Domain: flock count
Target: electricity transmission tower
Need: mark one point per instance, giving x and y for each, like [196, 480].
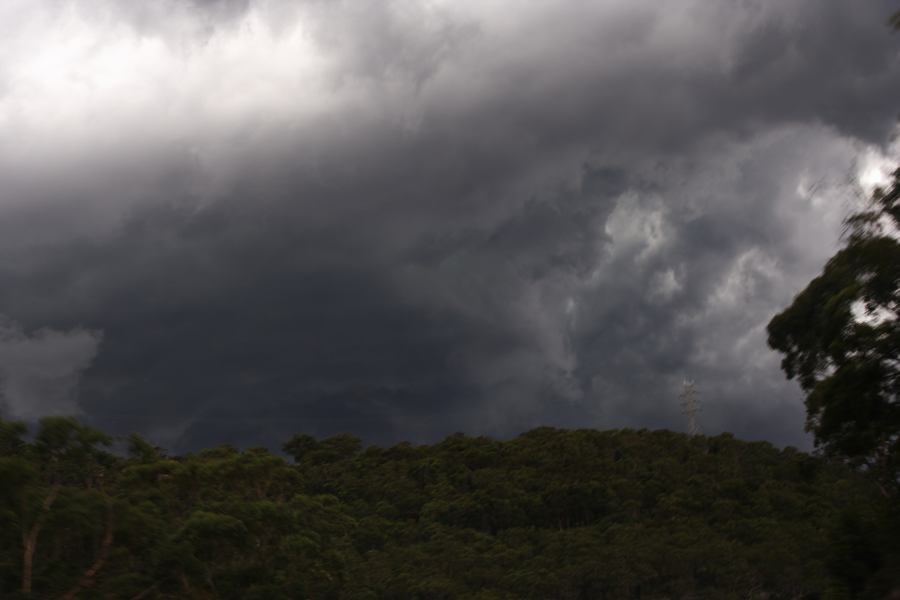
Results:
[690, 405]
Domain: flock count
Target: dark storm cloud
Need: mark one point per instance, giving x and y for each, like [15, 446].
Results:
[404, 219]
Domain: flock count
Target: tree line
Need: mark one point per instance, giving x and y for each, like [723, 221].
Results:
[580, 514]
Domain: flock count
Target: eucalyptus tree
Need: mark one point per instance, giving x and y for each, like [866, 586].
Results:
[841, 341]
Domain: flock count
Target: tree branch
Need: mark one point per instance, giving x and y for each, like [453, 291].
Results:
[87, 579]
[29, 539]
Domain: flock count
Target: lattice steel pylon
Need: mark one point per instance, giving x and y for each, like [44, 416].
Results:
[690, 405]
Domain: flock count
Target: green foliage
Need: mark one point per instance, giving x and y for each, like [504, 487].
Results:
[848, 363]
[841, 341]
[69, 451]
[11, 432]
[142, 450]
[55, 515]
[550, 514]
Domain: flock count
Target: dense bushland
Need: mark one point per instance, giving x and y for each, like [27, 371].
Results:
[550, 514]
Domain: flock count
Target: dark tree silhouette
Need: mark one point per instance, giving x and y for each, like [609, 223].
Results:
[840, 339]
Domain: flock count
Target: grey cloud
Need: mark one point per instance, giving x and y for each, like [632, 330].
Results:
[695, 301]
[406, 219]
[39, 371]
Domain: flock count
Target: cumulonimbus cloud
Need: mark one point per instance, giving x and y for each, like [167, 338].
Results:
[405, 218]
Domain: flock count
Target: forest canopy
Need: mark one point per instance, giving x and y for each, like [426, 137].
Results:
[578, 514]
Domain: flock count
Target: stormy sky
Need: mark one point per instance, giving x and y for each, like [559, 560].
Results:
[235, 220]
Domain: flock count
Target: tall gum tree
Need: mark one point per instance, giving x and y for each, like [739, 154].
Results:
[841, 340]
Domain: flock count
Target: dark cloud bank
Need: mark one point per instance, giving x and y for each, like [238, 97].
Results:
[233, 221]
